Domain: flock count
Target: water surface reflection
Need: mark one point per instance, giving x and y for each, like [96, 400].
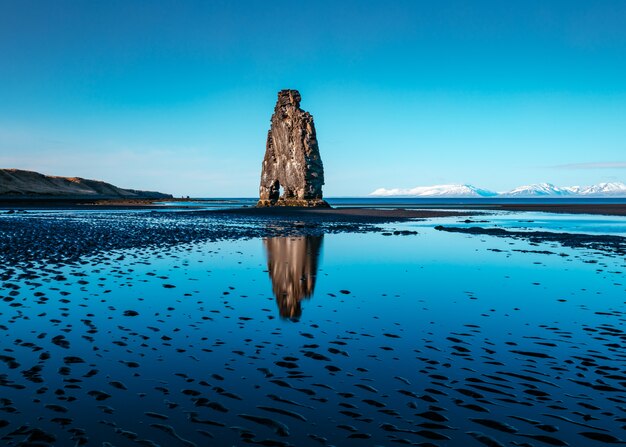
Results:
[292, 264]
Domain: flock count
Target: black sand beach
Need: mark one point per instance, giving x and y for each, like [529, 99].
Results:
[601, 208]
[609, 209]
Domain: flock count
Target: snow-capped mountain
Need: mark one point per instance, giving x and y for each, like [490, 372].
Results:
[537, 190]
[614, 189]
[604, 189]
[435, 191]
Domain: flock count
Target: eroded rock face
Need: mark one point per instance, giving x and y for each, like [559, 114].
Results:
[292, 158]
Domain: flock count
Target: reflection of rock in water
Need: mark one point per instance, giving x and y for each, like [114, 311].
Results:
[292, 265]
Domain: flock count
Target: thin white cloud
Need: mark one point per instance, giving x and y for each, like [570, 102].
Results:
[594, 165]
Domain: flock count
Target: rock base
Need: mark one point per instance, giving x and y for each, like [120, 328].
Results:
[303, 203]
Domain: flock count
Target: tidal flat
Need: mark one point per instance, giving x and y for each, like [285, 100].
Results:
[189, 328]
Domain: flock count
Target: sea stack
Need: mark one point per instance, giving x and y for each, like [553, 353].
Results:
[292, 158]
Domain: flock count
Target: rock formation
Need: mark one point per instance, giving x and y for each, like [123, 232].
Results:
[20, 184]
[292, 265]
[292, 158]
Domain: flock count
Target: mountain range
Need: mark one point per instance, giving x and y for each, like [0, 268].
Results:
[614, 189]
[21, 184]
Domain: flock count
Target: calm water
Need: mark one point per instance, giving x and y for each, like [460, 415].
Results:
[341, 339]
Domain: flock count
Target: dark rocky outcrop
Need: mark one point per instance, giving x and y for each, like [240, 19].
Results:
[292, 158]
[600, 242]
[23, 185]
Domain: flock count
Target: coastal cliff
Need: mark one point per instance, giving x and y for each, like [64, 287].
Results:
[19, 184]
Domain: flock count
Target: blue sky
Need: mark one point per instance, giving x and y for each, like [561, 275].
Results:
[177, 96]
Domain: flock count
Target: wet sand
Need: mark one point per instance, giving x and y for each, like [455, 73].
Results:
[611, 209]
[416, 211]
[68, 236]
[344, 214]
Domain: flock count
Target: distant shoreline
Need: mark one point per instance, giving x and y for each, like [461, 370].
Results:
[345, 207]
[441, 210]
[611, 209]
[85, 202]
